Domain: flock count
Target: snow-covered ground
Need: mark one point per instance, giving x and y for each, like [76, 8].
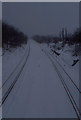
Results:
[12, 64]
[38, 92]
[0, 80]
[64, 62]
[11, 60]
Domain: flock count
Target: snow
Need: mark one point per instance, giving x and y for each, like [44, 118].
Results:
[9, 63]
[0, 80]
[65, 59]
[38, 92]
[12, 63]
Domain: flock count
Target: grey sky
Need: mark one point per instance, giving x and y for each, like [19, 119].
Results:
[42, 18]
[0, 11]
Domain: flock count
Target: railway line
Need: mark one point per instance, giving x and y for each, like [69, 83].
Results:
[59, 70]
[77, 88]
[7, 87]
[13, 70]
[55, 63]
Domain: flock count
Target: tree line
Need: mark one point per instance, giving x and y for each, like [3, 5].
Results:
[12, 37]
[64, 38]
[45, 39]
[70, 38]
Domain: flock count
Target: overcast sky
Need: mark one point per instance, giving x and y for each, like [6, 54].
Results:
[0, 11]
[42, 18]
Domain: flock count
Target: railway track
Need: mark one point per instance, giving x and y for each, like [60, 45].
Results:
[13, 71]
[70, 96]
[6, 94]
[77, 88]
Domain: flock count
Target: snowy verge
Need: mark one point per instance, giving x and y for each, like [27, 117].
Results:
[0, 80]
[64, 63]
[14, 67]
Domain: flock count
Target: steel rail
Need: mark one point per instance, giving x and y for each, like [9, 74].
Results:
[67, 75]
[66, 88]
[13, 71]
[14, 82]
